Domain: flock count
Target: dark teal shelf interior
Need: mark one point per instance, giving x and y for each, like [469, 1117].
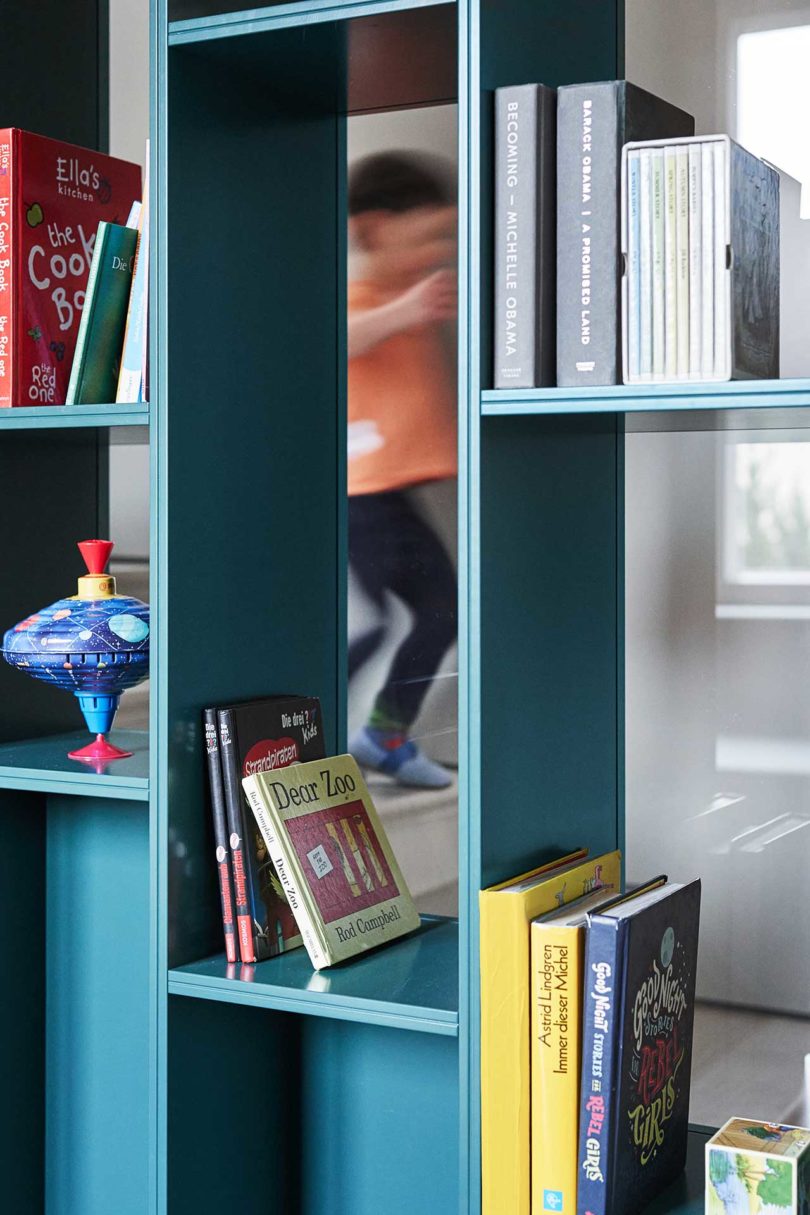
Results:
[685, 1195]
[54, 417]
[411, 984]
[627, 398]
[42, 765]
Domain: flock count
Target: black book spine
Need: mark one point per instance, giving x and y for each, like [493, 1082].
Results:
[754, 224]
[221, 844]
[587, 235]
[233, 804]
[594, 121]
[525, 247]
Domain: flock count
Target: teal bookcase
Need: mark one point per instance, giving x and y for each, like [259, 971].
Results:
[143, 1075]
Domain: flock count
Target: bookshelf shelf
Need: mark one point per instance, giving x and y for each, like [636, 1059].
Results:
[412, 985]
[630, 398]
[283, 16]
[686, 1194]
[41, 765]
[62, 417]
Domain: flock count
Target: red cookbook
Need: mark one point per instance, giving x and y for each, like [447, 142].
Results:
[52, 197]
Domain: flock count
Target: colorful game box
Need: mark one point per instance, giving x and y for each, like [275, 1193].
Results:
[758, 1168]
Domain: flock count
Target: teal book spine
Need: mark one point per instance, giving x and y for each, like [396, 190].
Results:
[96, 363]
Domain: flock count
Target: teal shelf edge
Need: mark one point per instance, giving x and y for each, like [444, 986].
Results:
[41, 765]
[280, 16]
[630, 398]
[686, 1194]
[411, 984]
[55, 417]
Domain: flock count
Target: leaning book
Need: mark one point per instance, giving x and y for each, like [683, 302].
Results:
[332, 857]
[96, 362]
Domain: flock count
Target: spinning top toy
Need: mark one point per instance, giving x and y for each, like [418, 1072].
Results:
[94, 644]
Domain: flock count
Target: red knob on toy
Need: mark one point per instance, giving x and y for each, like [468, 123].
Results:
[96, 554]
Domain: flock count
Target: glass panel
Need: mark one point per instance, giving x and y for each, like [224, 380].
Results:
[184, 10]
[740, 67]
[718, 739]
[402, 467]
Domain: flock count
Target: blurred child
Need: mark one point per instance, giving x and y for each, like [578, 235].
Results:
[402, 432]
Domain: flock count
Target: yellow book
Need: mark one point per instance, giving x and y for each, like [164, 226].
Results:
[557, 961]
[506, 912]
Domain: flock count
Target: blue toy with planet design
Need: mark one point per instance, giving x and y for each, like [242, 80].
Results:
[94, 644]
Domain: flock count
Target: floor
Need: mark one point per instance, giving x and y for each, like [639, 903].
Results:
[749, 1064]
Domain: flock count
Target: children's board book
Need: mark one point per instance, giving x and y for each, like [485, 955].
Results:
[53, 196]
[506, 912]
[332, 857]
[262, 736]
[639, 997]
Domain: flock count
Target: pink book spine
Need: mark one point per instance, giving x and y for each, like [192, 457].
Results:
[7, 283]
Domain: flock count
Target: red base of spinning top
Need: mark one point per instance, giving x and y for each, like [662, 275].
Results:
[99, 750]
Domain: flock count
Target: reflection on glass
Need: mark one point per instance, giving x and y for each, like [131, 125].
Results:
[767, 499]
[402, 465]
[718, 740]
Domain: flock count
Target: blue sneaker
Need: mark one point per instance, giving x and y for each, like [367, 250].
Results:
[396, 755]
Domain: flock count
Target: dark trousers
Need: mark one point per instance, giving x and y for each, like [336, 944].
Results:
[392, 549]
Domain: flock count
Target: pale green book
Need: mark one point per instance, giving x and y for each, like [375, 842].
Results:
[658, 273]
[682, 260]
[332, 857]
[670, 264]
[96, 363]
[707, 260]
[695, 261]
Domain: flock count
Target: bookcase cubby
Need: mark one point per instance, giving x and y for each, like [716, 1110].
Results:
[144, 1075]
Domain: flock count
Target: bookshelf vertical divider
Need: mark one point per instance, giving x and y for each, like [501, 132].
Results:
[248, 140]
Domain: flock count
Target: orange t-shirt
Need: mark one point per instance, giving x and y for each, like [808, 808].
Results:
[401, 406]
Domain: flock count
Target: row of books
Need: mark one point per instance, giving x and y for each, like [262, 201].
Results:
[72, 312]
[587, 1006]
[302, 857]
[700, 243]
[627, 249]
[110, 362]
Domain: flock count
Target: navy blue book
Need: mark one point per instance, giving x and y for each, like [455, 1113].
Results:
[641, 960]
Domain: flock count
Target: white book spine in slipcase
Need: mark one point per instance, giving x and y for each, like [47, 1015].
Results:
[707, 261]
[695, 262]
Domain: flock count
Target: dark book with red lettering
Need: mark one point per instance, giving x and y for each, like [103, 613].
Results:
[53, 196]
[639, 1004]
[221, 844]
[259, 736]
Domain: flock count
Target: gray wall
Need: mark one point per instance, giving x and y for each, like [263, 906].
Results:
[129, 129]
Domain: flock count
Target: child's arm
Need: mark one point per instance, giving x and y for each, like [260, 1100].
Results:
[431, 300]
